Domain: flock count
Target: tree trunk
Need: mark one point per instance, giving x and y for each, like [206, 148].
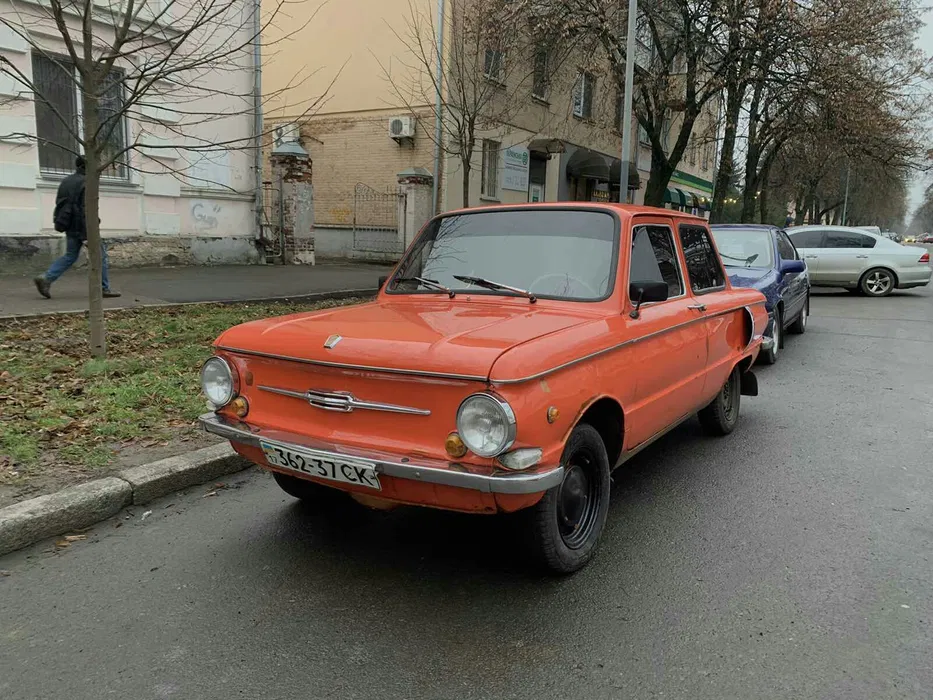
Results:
[467, 169]
[727, 158]
[660, 177]
[98, 337]
[763, 204]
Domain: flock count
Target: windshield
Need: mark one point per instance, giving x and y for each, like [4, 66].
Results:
[551, 253]
[738, 246]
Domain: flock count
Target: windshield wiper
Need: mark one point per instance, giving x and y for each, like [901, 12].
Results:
[748, 261]
[489, 284]
[433, 284]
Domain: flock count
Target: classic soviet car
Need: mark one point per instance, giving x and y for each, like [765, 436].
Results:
[515, 357]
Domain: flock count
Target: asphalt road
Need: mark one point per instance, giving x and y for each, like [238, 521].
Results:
[793, 559]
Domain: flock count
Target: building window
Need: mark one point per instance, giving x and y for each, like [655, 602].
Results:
[643, 137]
[707, 156]
[541, 77]
[692, 151]
[494, 66]
[58, 100]
[490, 173]
[620, 109]
[583, 95]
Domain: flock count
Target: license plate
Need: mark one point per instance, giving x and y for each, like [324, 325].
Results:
[324, 466]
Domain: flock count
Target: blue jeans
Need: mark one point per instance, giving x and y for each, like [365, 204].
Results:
[70, 257]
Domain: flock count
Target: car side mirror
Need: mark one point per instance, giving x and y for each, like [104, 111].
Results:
[382, 281]
[646, 291]
[790, 267]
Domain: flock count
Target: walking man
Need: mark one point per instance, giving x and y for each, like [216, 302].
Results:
[69, 219]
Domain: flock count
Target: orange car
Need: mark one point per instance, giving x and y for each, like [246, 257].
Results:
[514, 358]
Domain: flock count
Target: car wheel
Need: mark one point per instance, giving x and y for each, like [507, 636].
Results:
[799, 326]
[567, 522]
[878, 282]
[777, 334]
[311, 492]
[720, 417]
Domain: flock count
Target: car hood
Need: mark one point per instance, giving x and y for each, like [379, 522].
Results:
[433, 337]
[753, 277]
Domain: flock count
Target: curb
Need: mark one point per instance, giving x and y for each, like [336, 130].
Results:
[77, 507]
[313, 296]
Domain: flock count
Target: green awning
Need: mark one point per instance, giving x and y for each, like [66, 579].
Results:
[676, 197]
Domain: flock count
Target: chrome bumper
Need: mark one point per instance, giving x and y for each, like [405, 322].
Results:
[416, 468]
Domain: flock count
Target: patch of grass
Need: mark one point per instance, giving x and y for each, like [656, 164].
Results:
[60, 407]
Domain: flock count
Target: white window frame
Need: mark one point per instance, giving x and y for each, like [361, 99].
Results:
[541, 94]
[583, 90]
[489, 62]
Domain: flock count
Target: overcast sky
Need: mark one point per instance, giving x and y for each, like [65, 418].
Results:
[926, 43]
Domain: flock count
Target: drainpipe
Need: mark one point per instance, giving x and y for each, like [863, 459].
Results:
[438, 105]
[257, 113]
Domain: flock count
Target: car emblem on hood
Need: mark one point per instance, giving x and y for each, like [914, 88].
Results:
[332, 341]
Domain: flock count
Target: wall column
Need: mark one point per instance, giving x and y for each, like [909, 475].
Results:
[291, 174]
[415, 207]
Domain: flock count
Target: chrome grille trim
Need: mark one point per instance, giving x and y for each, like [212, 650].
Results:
[341, 402]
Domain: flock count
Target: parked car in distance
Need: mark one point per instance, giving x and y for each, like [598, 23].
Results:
[839, 256]
[763, 258]
[925, 238]
[516, 356]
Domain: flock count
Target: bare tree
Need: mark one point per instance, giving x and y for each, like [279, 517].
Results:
[162, 79]
[494, 56]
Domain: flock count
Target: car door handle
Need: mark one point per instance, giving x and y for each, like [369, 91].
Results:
[811, 257]
[862, 256]
[697, 307]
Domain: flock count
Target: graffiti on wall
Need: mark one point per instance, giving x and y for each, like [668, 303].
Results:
[206, 215]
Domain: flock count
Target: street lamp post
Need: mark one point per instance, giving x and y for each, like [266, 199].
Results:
[627, 102]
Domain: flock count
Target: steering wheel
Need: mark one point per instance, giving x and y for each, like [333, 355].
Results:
[563, 276]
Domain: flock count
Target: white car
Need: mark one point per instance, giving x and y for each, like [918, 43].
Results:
[841, 256]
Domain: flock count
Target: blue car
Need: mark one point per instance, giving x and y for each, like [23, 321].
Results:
[763, 258]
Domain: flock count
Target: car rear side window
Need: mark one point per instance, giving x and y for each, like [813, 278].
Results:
[654, 258]
[848, 239]
[785, 247]
[807, 239]
[703, 266]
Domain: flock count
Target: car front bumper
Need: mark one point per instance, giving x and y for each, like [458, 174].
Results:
[420, 469]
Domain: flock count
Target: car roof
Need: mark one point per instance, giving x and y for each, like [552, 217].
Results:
[746, 227]
[624, 211]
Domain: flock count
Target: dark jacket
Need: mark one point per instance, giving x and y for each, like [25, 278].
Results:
[69, 207]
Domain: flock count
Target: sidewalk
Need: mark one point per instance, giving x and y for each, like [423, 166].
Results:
[169, 285]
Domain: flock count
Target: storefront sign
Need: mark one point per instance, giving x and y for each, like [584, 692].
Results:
[515, 168]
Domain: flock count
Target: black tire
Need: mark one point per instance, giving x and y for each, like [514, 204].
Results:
[310, 492]
[721, 416]
[567, 522]
[877, 282]
[799, 326]
[777, 332]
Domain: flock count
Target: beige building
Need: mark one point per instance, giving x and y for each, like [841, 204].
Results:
[560, 139]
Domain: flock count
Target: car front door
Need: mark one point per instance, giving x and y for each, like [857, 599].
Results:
[707, 284]
[795, 283]
[669, 339]
[845, 256]
[809, 245]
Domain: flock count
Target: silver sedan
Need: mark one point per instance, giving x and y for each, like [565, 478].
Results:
[840, 256]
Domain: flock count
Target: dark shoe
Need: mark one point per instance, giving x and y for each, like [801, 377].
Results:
[44, 287]
[110, 294]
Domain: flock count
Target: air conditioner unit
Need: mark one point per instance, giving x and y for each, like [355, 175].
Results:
[402, 128]
[287, 133]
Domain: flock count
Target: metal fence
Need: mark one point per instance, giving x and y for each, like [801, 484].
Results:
[378, 226]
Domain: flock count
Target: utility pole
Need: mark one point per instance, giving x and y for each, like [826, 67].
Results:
[845, 202]
[439, 106]
[627, 102]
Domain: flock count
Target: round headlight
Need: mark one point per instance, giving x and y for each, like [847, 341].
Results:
[218, 381]
[486, 424]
